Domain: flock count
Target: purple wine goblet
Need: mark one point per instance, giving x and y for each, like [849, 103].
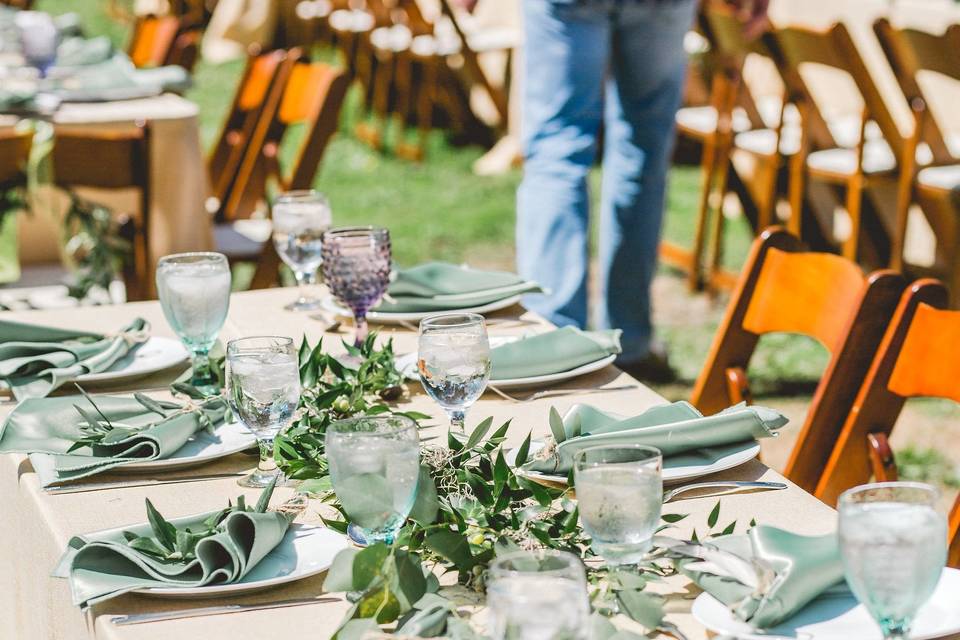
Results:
[356, 267]
[38, 39]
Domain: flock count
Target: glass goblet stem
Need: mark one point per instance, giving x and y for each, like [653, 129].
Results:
[457, 418]
[303, 280]
[266, 465]
[203, 377]
[360, 322]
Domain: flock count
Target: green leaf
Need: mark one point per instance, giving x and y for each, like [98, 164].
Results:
[340, 574]
[264, 500]
[356, 629]
[368, 565]
[149, 546]
[729, 528]
[714, 516]
[501, 473]
[411, 584]
[556, 426]
[645, 608]
[315, 486]
[365, 497]
[150, 404]
[478, 433]
[165, 532]
[523, 452]
[451, 545]
[753, 522]
[380, 603]
[672, 518]
[426, 504]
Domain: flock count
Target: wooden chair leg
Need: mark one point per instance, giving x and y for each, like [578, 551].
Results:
[708, 163]
[854, 205]
[882, 462]
[719, 222]
[266, 274]
[738, 386]
[953, 535]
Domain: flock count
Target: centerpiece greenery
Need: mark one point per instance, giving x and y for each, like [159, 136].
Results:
[470, 507]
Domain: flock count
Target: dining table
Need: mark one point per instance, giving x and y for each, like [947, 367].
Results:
[37, 525]
[178, 221]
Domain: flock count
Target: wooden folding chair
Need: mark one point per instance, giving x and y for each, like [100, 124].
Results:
[153, 40]
[852, 165]
[14, 153]
[312, 98]
[935, 185]
[113, 160]
[784, 288]
[257, 97]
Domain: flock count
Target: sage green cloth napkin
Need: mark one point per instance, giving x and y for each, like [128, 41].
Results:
[766, 575]
[117, 78]
[35, 360]
[75, 51]
[102, 565]
[674, 428]
[47, 428]
[552, 352]
[438, 286]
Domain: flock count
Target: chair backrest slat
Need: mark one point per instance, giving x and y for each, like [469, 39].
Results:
[14, 154]
[153, 40]
[784, 287]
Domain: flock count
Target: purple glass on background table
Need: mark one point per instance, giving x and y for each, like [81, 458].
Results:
[356, 267]
[38, 39]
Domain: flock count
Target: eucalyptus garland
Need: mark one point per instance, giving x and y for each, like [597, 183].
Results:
[94, 244]
[471, 506]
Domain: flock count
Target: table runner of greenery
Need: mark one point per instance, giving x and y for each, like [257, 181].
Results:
[470, 507]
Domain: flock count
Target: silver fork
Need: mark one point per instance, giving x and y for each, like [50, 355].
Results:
[549, 393]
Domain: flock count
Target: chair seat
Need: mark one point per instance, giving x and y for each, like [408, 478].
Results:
[877, 158]
[395, 38]
[243, 239]
[703, 120]
[427, 45]
[764, 141]
[946, 177]
[351, 20]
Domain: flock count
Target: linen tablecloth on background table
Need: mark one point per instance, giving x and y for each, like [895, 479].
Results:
[178, 178]
[35, 526]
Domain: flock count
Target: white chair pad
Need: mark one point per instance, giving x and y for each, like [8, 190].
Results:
[946, 177]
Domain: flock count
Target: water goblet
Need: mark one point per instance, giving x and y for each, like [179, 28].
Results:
[263, 387]
[537, 595]
[894, 546]
[454, 361]
[356, 268]
[194, 292]
[38, 39]
[619, 494]
[300, 219]
[374, 468]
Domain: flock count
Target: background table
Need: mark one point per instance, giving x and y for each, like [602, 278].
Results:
[36, 526]
[178, 178]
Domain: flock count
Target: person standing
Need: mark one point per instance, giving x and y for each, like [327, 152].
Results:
[619, 63]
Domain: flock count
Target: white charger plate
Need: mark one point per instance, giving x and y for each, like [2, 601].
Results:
[305, 551]
[383, 317]
[156, 354]
[839, 617]
[407, 365]
[676, 469]
[226, 440]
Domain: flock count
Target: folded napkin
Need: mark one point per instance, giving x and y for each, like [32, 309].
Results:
[552, 352]
[438, 286]
[117, 76]
[673, 428]
[767, 575]
[47, 429]
[35, 360]
[74, 52]
[102, 565]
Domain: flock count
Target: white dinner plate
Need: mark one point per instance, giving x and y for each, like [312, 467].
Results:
[383, 317]
[676, 469]
[156, 354]
[407, 365]
[838, 616]
[305, 551]
[225, 440]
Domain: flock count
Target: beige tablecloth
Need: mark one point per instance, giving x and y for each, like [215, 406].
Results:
[178, 178]
[35, 526]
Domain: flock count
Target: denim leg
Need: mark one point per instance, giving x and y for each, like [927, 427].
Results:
[566, 51]
[642, 96]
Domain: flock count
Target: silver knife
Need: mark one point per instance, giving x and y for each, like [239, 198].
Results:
[140, 618]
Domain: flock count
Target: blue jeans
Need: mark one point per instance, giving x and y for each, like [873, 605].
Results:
[622, 63]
